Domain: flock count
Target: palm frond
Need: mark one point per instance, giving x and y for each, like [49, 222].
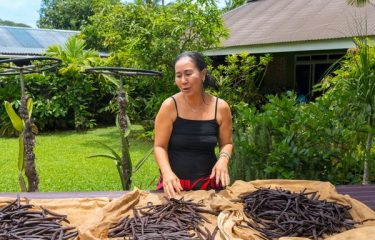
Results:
[357, 3]
[143, 160]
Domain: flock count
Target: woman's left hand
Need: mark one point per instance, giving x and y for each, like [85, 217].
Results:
[220, 172]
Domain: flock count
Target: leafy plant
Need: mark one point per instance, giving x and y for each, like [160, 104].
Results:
[283, 139]
[9, 90]
[232, 4]
[24, 118]
[123, 161]
[66, 14]
[352, 89]
[241, 77]
[118, 162]
[18, 125]
[358, 3]
[149, 36]
[78, 89]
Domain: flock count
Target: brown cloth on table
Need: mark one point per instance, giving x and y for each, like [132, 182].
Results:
[99, 225]
[233, 213]
[94, 216]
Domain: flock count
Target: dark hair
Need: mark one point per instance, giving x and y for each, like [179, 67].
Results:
[199, 61]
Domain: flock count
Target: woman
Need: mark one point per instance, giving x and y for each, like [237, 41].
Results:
[188, 126]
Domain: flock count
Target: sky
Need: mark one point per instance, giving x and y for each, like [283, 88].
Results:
[20, 11]
[24, 11]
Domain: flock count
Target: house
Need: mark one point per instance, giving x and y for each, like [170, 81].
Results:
[305, 37]
[23, 42]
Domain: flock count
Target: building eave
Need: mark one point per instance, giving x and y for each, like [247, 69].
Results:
[318, 45]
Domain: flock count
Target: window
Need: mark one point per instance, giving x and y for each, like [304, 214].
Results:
[310, 70]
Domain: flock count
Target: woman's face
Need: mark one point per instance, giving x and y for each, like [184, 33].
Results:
[188, 77]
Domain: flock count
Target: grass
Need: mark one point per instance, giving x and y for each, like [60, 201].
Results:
[63, 166]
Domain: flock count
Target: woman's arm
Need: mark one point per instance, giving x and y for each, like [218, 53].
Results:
[163, 129]
[224, 119]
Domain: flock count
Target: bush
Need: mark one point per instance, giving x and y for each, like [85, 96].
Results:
[241, 77]
[296, 141]
[52, 110]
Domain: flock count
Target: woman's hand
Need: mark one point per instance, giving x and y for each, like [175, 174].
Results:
[171, 184]
[220, 172]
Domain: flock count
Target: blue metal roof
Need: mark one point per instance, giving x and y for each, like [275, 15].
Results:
[30, 41]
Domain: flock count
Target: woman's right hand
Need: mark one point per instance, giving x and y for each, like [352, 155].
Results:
[171, 184]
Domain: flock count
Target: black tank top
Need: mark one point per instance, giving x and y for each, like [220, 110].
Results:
[191, 148]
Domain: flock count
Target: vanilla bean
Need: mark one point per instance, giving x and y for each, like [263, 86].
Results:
[174, 219]
[19, 221]
[279, 213]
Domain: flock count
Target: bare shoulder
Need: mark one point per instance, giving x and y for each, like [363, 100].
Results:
[223, 111]
[168, 103]
[222, 105]
[168, 109]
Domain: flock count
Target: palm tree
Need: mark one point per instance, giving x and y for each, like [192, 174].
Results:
[365, 87]
[365, 95]
[232, 4]
[358, 3]
[74, 61]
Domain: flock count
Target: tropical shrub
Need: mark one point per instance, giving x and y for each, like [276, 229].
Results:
[78, 88]
[149, 36]
[66, 99]
[66, 14]
[352, 92]
[19, 125]
[240, 78]
[295, 141]
[9, 91]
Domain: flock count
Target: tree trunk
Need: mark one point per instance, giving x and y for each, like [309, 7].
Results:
[371, 123]
[124, 129]
[76, 120]
[29, 142]
[126, 163]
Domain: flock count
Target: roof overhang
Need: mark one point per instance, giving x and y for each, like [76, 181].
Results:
[317, 45]
[26, 53]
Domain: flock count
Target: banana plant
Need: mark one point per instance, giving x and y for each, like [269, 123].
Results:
[114, 156]
[19, 125]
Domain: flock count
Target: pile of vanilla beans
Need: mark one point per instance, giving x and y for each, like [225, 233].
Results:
[175, 219]
[277, 213]
[23, 221]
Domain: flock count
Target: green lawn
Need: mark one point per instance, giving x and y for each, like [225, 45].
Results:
[63, 166]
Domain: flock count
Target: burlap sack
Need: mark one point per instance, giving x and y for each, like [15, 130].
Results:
[78, 210]
[91, 216]
[233, 213]
[98, 226]
[94, 216]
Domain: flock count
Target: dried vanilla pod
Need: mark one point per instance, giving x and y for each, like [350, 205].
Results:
[175, 219]
[278, 213]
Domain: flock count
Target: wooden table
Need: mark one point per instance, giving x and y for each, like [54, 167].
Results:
[363, 193]
[55, 195]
